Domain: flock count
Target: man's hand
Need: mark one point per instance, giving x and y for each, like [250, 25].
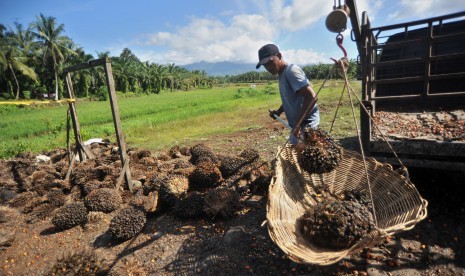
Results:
[274, 112]
[296, 132]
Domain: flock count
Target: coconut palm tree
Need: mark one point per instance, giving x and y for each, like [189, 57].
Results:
[13, 63]
[13, 57]
[54, 44]
[23, 39]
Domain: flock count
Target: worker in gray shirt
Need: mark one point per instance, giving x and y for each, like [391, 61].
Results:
[297, 95]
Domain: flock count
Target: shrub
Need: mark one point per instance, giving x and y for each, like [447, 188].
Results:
[271, 90]
[245, 92]
[5, 96]
[27, 95]
[101, 94]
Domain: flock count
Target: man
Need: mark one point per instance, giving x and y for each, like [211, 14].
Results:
[297, 95]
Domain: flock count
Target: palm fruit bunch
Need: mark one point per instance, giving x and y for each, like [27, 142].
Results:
[26, 201]
[7, 214]
[260, 178]
[182, 164]
[70, 215]
[105, 173]
[140, 154]
[23, 199]
[41, 212]
[83, 173]
[103, 200]
[84, 262]
[173, 187]
[361, 196]
[190, 207]
[336, 225]
[205, 176]
[6, 195]
[221, 202]
[174, 152]
[230, 165]
[318, 152]
[250, 154]
[55, 197]
[127, 223]
[42, 180]
[201, 152]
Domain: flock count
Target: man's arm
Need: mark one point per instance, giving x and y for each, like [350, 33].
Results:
[309, 102]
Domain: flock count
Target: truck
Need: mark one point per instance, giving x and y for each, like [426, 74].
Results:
[413, 90]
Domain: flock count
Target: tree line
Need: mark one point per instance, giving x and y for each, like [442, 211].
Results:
[33, 57]
[314, 72]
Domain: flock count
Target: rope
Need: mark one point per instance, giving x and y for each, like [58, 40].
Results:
[344, 73]
[379, 131]
[376, 126]
[337, 108]
[341, 64]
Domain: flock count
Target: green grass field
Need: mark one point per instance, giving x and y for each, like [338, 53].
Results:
[160, 121]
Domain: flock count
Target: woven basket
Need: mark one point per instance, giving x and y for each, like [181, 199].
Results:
[397, 204]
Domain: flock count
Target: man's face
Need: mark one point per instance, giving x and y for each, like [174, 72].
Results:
[272, 65]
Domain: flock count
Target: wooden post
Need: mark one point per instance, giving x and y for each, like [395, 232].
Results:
[74, 118]
[117, 123]
[80, 148]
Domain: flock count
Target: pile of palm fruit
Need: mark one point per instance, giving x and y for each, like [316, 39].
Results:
[187, 182]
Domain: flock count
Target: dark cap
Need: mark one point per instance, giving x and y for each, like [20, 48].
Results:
[265, 53]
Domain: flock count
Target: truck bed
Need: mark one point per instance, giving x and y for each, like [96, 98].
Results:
[430, 126]
[420, 135]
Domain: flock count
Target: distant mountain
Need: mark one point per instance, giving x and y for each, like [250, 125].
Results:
[222, 68]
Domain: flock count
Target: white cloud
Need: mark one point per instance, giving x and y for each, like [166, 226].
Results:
[426, 8]
[299, 14]
[303, 57]
[212, 40]
[239, 38]
[159, 38]
[372, 7]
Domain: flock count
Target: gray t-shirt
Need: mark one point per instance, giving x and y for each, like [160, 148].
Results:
[290, 81]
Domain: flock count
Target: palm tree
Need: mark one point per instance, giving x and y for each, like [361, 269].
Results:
[13, 63]
[125, 69]
[54, 44]
[81, 77]
[23, 40]
[159, 73]
[172, 75]
[12, 58]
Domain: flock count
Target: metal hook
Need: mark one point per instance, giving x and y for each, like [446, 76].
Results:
[339, 40]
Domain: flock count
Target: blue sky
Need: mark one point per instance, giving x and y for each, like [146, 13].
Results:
[184, 32]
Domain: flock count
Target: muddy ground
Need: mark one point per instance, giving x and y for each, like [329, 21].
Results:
[30, 244]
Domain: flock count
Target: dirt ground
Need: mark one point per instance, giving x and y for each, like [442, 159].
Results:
[30, 244]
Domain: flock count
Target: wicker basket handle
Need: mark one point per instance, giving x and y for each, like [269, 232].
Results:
[403, 171]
